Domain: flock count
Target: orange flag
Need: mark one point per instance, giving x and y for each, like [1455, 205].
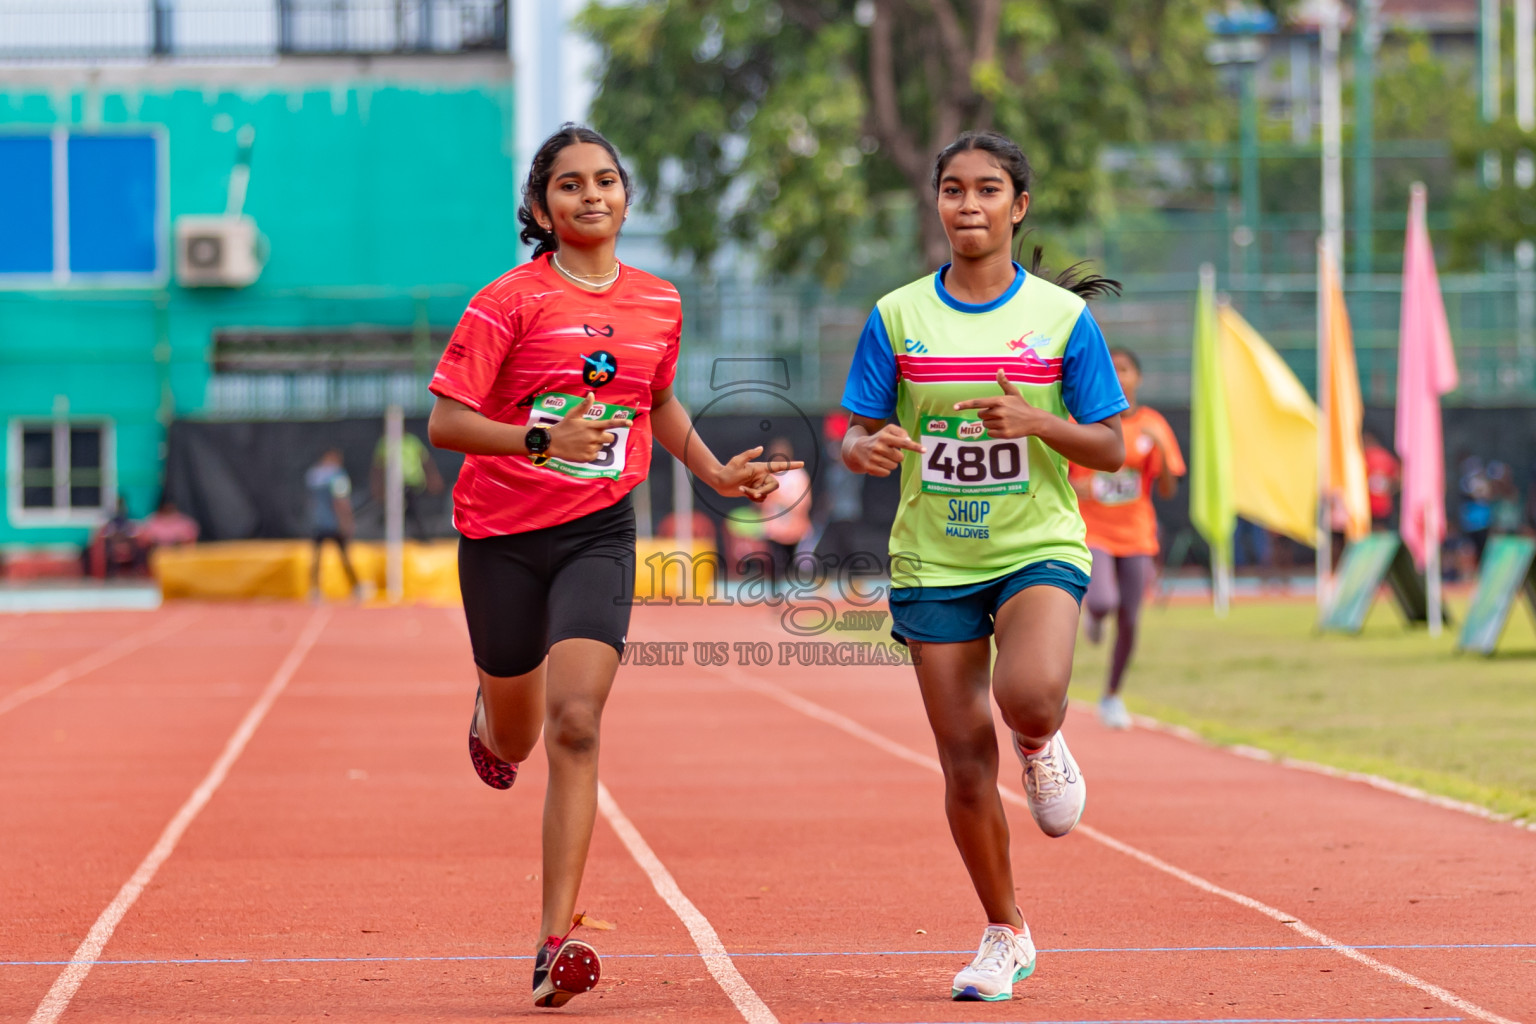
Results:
[1345, 414]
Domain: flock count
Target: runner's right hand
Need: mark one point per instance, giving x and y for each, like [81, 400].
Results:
[881, 452]
[578, 439]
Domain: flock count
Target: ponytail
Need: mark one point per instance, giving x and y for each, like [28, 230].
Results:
[1076, 278]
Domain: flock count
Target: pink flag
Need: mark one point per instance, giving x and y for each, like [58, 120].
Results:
[1426, 369]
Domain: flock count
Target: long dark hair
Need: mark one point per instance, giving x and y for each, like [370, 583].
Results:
[535, 188]
[1015, 164]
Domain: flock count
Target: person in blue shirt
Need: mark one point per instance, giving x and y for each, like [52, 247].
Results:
[330, 514]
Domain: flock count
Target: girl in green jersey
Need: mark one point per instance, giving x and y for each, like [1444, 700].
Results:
[978, 384]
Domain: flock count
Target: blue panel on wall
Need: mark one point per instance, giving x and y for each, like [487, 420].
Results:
[26, 204]
[113, 197]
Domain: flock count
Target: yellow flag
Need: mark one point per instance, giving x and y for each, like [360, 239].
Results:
[1274, 433]
[1346, 414]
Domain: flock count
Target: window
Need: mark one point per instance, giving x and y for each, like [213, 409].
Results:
[61, 472]
[80, 207]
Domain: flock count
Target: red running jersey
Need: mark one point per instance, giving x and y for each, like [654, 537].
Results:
[529, 346]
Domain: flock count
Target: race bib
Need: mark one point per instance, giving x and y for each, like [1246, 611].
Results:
[1119, 488]
[550, 408]
[961, 459]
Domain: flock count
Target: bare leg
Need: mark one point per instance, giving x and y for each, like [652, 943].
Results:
[511, 713]
[581, 673]
[1036, 632]
[953, 680]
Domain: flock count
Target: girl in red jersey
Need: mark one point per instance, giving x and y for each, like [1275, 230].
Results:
[554, 381]
[1122, 528]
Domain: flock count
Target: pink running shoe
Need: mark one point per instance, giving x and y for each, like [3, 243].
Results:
[564, 968]
[493, 771]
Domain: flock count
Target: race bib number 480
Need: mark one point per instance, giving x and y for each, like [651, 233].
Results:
[550, 408]
[961, 459]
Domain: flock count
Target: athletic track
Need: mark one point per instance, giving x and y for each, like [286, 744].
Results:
[265, 812]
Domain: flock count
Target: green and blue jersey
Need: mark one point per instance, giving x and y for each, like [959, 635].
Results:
[974, 508]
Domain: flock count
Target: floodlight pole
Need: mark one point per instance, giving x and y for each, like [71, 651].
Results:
[1367, 38]
[1333, 117]
[1491, 56]
[1525, 176]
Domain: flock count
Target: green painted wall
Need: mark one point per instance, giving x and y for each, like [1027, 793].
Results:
[378, 201]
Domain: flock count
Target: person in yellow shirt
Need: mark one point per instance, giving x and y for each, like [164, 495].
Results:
[418, 477]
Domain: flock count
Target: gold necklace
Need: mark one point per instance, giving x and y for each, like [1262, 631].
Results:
[599, 279]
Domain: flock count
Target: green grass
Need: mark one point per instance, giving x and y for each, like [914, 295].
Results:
[1391, 702]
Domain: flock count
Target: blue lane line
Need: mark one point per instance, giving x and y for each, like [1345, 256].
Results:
[1239, 1020]
[692, 956]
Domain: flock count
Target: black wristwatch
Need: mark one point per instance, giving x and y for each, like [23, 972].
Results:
[536, 440]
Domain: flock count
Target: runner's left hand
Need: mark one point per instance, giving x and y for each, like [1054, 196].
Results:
[1008, 414]
[743, 477]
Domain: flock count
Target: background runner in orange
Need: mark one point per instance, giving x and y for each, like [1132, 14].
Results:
[1122, 528]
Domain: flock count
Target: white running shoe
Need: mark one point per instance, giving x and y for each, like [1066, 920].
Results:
[1054, 786]
[1003, 959]
[1113, 714]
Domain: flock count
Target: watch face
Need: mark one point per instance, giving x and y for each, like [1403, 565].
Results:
[537, 440]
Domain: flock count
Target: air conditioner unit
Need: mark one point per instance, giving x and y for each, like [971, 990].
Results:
[218, 251]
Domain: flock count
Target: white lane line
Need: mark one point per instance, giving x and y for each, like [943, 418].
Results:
[853, 728]
[711, 949]
[91, 662]
[72, 977]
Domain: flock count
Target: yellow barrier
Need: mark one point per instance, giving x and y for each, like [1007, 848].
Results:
[280, 570]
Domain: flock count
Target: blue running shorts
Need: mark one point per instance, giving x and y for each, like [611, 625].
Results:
[949, 615]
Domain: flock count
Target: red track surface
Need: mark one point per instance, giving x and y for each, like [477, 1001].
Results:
[350, 867]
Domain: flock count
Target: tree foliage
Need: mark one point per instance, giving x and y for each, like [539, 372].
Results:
[780, 123]
[1494, 216]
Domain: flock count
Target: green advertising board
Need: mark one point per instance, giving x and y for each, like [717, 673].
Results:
[1508, 569]
[1367, 564]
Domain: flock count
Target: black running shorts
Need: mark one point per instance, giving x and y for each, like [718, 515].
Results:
[525, 592]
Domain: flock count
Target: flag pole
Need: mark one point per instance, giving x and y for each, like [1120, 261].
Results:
[1432, 574]
[1324, 565]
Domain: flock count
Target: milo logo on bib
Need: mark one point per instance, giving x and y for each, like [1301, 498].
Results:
[961, 459]
[549, 409]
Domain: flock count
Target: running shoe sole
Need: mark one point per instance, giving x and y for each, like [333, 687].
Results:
[493, 771]
[969, 994]
[575, 969]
